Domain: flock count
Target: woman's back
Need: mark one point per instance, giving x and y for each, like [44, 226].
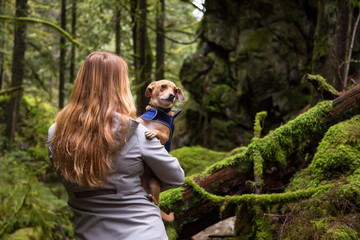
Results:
[119, 209]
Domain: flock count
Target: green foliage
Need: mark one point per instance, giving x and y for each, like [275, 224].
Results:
[26, 202]
[39, 116]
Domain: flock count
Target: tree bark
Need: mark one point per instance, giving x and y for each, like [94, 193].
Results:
[160, 40]
[62, 65]
[17, 73]
[2, 42]
[194, 212]
[143, 52]
[118, 32]
[133, 7]
[331, 40]
[73, 47]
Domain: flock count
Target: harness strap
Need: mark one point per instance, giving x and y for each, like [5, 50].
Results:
[164, 118]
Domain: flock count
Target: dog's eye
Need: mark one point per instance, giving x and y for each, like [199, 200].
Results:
[175, 90]
[163, 86]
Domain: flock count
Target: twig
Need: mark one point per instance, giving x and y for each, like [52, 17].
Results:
[350, 52]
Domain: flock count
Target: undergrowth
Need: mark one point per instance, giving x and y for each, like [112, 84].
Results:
[33, 203]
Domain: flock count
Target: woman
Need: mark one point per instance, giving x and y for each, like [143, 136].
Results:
[98, 150]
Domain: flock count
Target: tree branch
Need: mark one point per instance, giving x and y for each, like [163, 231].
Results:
[45, 22]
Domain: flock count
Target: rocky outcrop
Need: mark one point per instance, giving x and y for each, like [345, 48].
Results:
[251, 58]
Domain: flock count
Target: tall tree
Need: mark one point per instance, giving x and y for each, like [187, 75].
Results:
[62, 57]
[17, 73]
[160, 39]
[73, 47]
[331, 39]
[117, 31]
[2, 6]
[143, 53]
[133, 4]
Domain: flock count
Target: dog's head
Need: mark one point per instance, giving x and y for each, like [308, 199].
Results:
[163, 93]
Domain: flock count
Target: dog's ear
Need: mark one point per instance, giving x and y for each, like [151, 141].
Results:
[149, 89]
[180, 95]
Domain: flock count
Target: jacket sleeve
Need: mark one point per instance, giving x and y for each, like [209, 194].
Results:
[50, 136]
[166, 167]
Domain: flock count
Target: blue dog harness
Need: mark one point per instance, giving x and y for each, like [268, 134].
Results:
[164, 118]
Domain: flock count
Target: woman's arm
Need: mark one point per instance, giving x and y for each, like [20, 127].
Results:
[166, 167]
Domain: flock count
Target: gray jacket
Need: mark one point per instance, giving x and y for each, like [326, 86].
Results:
[120, 209]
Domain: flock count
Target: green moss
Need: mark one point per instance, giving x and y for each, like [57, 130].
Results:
[340, 232]
[319, 210]
[339, 150]
[196, 159]
[351, 190]
[323, 86]
[262, 226]
[243, 163]
[277, 145]
[258, 168]
[196, 188]
[171, 232]
[302, 180]
[219, 96]
[265, 199]
[170, 198]
[259, 121]
[283, 141]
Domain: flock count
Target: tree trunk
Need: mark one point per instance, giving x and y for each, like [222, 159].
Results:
[143, 52]
[2, 42]
[160, 40]
[133, 4]
[17, 73]
[331, 40]
[73, 47]
[118, 32]
[195, 208]
[62, 65]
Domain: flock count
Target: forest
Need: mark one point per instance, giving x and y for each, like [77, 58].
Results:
[269, 132]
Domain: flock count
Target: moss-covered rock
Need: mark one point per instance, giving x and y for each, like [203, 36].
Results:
[339, 151]
[251, 58]
[333, 214]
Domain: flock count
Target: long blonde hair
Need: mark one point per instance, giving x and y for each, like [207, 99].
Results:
[84, 138]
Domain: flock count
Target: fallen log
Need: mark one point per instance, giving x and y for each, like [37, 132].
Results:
[283, 152]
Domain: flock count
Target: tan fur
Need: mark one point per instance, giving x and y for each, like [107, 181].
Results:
[163, 94]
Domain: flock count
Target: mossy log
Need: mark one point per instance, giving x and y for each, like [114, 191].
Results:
[327, 91]
[283, 152]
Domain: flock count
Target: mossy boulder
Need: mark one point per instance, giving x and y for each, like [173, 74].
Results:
[339, 151]
[251, 58]
[332, 214]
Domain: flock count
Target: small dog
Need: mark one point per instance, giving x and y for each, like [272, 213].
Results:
[159, 118]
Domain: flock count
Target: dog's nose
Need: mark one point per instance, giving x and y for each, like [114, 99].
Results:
[171, 96]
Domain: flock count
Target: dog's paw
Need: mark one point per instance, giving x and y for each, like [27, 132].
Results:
[150, 134]
[152, 199]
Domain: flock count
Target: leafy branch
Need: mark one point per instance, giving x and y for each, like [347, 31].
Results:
[41, 21]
